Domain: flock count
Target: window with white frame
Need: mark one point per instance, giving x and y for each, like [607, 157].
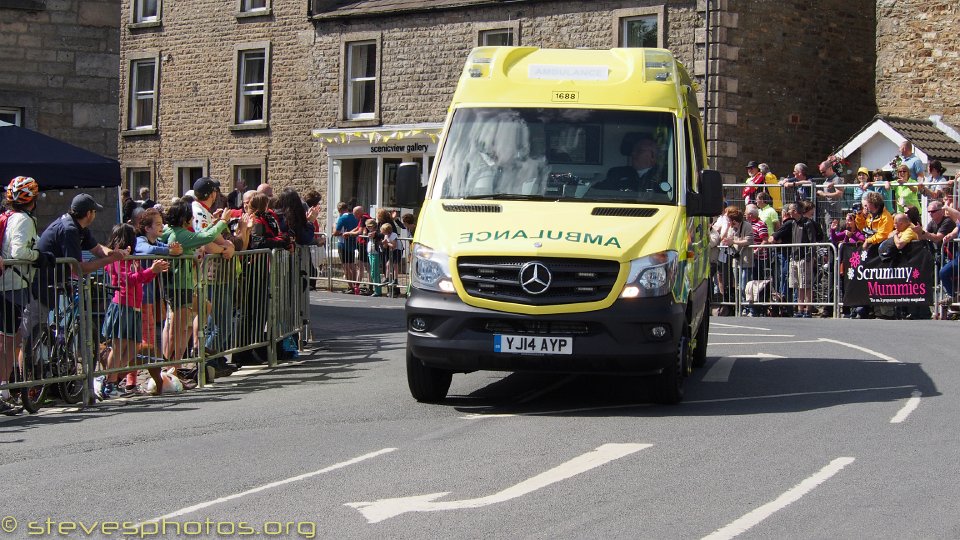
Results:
[186, 176]
[361, 80]
[143, 93]
[138, 177]
[642, 31]
[146, 11]
[496, 37]
[252, 88]
[248, 175]
[11, 115]
[247, 6]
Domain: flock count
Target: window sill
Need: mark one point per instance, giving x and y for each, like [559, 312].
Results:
[138, 132]
[251, 14]
[253, 126]
[139, 25]
[366, 122]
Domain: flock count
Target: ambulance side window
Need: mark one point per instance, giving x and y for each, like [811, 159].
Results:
[695, 142]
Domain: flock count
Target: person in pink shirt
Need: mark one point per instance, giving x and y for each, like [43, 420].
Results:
[123, 323]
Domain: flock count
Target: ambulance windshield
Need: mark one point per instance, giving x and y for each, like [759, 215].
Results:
[559, 154]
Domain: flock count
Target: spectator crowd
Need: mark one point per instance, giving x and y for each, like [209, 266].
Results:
[884, 212]
[149, 268]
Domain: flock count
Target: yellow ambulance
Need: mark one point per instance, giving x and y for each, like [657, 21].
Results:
[564, 227]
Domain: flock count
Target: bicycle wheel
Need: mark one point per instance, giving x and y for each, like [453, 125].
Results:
[32, 397]
[69, 361]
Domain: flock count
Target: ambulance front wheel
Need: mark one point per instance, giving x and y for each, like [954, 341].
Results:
[427, 384]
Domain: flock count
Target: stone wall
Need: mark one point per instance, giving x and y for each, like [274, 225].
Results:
[423, 55]
[796, 80]
[58, 63]
[918, 58]
[195, 43]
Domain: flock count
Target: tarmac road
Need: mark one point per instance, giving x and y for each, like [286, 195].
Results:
[811, 428]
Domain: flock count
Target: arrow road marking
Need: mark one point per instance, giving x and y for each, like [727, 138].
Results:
[201, 506]
[720, 370]
[387, 508]
[793, 495]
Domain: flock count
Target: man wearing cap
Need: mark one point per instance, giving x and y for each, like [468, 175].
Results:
[68, 237]
[754, 179]
[221, 280]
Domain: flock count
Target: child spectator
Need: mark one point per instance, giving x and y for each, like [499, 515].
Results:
[850, 234]
[122, 323]
[148, 243]
[179, 293]
[391, 254]
[375, 238]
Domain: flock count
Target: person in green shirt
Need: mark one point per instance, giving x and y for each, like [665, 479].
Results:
[905, 195]
[179, 292]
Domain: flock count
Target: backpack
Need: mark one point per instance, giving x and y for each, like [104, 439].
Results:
[3, 227]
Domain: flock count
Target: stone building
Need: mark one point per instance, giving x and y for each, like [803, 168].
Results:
[333, 95]
[59, 75]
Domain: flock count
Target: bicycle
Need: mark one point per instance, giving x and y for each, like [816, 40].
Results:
[54, 353]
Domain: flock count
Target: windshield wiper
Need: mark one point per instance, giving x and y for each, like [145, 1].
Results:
[511, 197]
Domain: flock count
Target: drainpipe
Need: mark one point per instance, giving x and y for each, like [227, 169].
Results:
[706, 75]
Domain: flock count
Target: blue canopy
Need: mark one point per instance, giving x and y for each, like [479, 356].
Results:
[53, 163]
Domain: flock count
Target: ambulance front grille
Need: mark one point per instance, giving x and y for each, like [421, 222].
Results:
[571, 280]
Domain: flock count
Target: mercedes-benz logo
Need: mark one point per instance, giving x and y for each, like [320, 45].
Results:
[535, 277]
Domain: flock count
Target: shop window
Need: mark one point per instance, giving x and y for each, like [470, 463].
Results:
[143, 94]
[253, 86]
[11, 115]
[361, 83]
[641, 27]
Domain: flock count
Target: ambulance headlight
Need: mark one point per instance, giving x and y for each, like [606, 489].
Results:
[431, 270]
[652, 275]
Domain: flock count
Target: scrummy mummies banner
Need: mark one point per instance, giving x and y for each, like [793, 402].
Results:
[905, 279]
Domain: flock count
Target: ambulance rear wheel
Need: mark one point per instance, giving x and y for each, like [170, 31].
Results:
[427, 384]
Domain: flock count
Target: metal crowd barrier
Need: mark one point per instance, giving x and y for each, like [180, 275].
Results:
[949, 257]
[784, 277]
[199, 310]
[384, 273]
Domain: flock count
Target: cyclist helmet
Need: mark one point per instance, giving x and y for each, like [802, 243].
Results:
[22, 190]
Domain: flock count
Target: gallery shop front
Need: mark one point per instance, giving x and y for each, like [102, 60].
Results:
[363, 162]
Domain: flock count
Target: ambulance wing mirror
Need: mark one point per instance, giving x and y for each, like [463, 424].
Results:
[709, 202]
[409, 194]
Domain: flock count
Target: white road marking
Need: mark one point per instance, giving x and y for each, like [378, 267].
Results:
[863, 349]
[271, 485]
[748, 521]
[753, 335]
[768, 342]
[908, 408]
[387, 508]
[687, 402]
[715, 324]
[720, 370]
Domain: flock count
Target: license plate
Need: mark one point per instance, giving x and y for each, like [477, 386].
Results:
[532, 344]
